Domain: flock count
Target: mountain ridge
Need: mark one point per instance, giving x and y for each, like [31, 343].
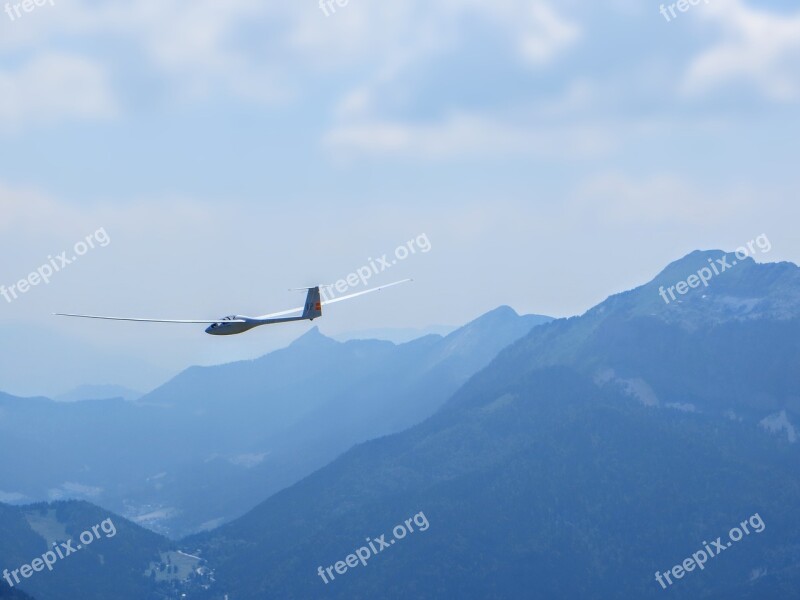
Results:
[538, 457]
[236, 433]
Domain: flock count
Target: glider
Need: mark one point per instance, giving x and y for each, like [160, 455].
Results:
[236, 324]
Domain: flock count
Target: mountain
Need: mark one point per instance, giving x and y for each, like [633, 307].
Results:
[77, 550]
[397, 336]
[253, 428]
[98, 392]
[47, 362]
[214, 441]
[716, 348]
[588, 456]
[9, 593]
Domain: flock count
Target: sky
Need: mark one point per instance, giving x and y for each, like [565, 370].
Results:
[550, 155]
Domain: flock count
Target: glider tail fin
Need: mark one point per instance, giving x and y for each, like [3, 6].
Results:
[313, 307]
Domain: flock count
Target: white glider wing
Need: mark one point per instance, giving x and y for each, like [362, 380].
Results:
[230, 320]
[369, 291]
[197, 322]
[324, 302]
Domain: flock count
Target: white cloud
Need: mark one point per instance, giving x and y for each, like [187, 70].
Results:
[757, 47]
[536, 35]
[207, 46]
[399, 41]
[73, 490]
[12, 497]
[465, 136]
[659, 198]
[248, 461]
[194, 43]
[198, 41]
[387, 29]
[26, 210]
[546, 34]
[53, 86]
[683, 406]
[780, 423]
[536, 28]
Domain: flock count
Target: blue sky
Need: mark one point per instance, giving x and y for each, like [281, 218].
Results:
[553, 153]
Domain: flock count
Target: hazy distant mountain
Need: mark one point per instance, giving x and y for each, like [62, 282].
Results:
[214, 441]
[250, 429]
[397, 336]
[586, 457]
[45, 362]
[98, 392]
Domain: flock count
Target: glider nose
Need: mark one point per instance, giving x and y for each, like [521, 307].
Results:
[213, 329]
